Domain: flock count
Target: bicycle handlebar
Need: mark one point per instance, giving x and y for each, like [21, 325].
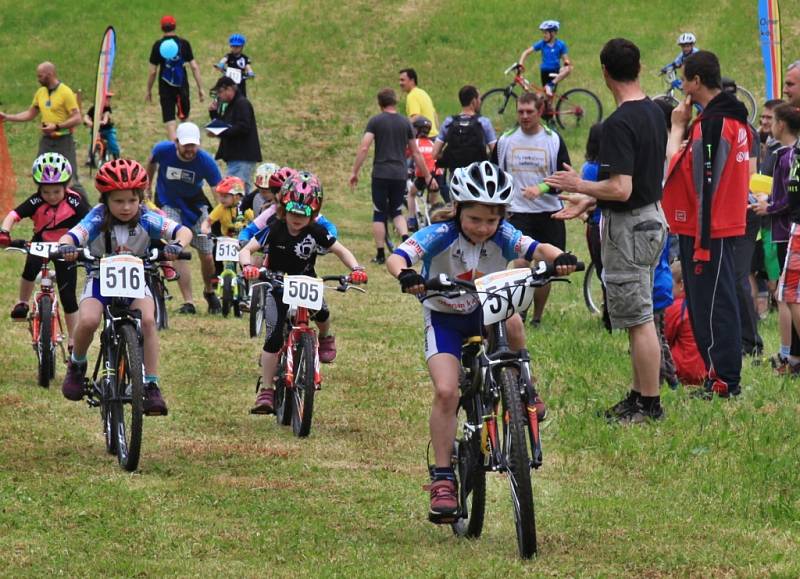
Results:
[155, 255]
[543, 274]
[343, 280]
[516, 67]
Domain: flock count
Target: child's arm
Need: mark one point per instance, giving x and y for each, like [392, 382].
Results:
[106, 118]
[344, 255]
[244, 253]
[546, 252]
[411, 282]
[184, 236]
[524, 55]
[87, 120]
[248, 70]
[9, 221]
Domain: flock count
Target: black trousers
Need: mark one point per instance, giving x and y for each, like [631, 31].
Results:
[743, 258]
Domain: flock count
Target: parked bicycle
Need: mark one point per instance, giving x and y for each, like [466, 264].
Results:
[44, 320]
[298, 376]
[117, 382]
[574, 111]
[498, 423]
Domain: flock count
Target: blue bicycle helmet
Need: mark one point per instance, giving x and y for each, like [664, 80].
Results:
[237, 40]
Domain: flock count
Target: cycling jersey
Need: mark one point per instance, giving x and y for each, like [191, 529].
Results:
[259, 227]
[444, 249]
[228, 217]
[425, 146]
[551, 54]
[678, 62]
[125, 238]
[296, 254]
[50, 222]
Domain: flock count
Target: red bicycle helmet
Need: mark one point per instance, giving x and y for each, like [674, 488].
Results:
[231, 185]
[279, 177]
[302, 194]
[120, 174]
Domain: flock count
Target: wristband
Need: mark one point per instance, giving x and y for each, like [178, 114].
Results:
[544, 188]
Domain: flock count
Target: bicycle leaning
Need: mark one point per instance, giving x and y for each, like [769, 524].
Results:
[498, 421]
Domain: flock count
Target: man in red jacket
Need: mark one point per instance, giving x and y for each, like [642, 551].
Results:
[705, 201]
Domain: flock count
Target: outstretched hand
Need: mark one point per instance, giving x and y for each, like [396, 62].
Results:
[575, 205]
[566, 180]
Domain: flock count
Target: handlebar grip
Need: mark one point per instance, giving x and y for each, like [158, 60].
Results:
[185, 256]
[580, 266]
[18, 243]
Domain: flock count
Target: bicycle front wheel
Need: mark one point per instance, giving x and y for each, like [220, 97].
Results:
[257, 311]
[128, 398]
[517, 459]
[470, 472]
[592, 290]
[749, 101]
[304, 387]
[499, 105]
[44, 345]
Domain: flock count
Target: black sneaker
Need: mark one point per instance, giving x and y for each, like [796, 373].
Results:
[20, 311]
[187, 308]
[622, 407]
[636, 414]
[379, 259]
[214, 307]
[154, 404]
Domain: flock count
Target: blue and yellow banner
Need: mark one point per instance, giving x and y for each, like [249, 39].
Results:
[769, 26]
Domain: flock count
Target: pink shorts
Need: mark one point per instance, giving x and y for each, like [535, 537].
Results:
[789, 283]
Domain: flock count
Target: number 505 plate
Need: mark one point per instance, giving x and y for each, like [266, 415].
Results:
[303, 291]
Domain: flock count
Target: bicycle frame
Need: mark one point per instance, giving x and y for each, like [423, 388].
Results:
[298, 322]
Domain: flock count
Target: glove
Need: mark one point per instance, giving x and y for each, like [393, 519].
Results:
[68, 252]
[358, 275]
[250, 272]
[173, 250]
[408, 278]
[566, 259]
[5, 239]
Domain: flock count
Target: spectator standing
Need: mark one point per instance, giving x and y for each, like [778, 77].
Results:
[465, 138]
[418, 102]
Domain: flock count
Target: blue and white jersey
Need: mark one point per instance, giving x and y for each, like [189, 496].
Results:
[134, 240]
[443, 249]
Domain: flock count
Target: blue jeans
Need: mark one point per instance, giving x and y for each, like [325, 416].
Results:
[244, 170]
[110, 135]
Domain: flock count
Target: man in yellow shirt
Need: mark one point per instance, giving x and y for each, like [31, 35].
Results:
[418, 102]
[60, 113]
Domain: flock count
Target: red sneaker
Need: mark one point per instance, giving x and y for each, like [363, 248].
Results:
[444, 501]
[327, 349]
[265, 402]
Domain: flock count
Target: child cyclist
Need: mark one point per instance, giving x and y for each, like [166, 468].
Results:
[119, 224]
[687, 42]
[293, 240]
[54, 208]
[236, 64]
[553, 52]
[475, 241]
[227, 215]
[107, 129]
[262, 196]
[422, 127]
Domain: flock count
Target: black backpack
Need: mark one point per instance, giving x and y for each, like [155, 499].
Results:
[464, 143]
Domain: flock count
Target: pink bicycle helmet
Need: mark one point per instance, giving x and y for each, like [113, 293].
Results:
[302, 194]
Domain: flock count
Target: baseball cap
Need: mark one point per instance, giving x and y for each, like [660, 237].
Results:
[168, 23]
[188, 134]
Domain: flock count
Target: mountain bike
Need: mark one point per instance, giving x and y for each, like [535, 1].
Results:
[44, 320]
[117, 382]
[158, 287]
[574, 111]
[499, 426]
[233, 288]
[298, 376]
[674, 84]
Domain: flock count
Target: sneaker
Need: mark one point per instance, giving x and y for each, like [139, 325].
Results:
[170, 273]
[214, 307]
[327, 349]
[72, 388]
[154, 404]
[444, 501]
[265, 402]
[783, 367]
[636, 414]
[712, 388]
[621, 408]
[412, 223]
[187, 308]
[379, 259]
[536, 322]
[20, 311]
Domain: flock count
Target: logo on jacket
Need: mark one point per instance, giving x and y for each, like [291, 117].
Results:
[741, 138]
[680, 216]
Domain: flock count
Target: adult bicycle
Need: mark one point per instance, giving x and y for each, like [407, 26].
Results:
[44, 320]
[574, 111]
[498, 422]
[298, 376]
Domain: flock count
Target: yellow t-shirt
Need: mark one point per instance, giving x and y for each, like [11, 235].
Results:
[419, 103]
[56, 106]
[227, 219]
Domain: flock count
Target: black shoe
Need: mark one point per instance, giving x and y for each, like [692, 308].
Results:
[214, 307]
[708, 393]
[187, 308]
[622, 407]
[20, 311]
[154, 404]
[379, 259]
[636, 414]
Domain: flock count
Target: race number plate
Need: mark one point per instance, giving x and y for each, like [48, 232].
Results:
[234, 74]
[227, 249]
[503, 298]
[303, 291]
[122, 276]
[42, 248]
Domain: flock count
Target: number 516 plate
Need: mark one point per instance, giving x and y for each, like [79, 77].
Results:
[122, 276]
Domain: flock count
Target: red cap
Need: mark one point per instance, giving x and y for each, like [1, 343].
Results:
[168, 23]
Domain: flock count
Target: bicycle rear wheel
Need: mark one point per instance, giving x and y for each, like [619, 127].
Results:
[592, 290]
[578, 109]
[499, 105]
[517, 458]
[227, 295]
[128, 398]
[749, 101]
[257, 311]
[304, 387]
[470, 473]
[44, 345]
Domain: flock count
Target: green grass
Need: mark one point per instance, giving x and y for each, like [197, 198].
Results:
[713, 490]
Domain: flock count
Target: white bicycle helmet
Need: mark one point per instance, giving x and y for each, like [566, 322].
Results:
[481, 182]
[550, 25]
[687, 38]
[263, 172]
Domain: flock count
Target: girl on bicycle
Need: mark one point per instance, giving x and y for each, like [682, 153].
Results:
[475, 241]
[119, 224]
[262, 196]
[54, 208]
[293, 241]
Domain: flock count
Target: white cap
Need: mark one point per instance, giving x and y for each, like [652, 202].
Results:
[188, 134]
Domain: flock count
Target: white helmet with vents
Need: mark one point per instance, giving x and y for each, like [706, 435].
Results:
[481, 182]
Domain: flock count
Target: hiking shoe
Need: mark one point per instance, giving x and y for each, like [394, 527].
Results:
[265, 402]
[169, 272]
[72, 388]
[621, 408]
[214, 307]
[636, 414]
[327, 349]
[154, 404]
[444, 501]
[379, 259]
[187, 308]
[20, 311]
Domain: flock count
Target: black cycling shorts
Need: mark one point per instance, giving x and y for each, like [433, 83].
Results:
[174, 102]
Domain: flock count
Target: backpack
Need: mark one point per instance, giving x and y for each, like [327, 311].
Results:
[172, 71]
[464, 143]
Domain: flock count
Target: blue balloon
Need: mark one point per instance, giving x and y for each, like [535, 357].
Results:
[168, 49]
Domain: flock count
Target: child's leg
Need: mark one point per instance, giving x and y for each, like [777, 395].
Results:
[444, 371]
[516, 333]
[67, 280]
[25, 290]
[90, 313]
[149, 334]
[269, 367]
[412, 201]
[110, 135]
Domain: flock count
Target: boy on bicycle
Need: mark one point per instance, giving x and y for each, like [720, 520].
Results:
[422, 127]
[235, 64]
[108, 132]
[553, 50]
[687, 43]
[475, 241]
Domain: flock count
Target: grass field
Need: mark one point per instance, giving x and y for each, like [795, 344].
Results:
[713, 490]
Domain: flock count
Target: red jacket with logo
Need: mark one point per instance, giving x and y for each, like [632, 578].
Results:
[705, 194]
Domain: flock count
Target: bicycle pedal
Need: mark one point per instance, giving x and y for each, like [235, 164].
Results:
[442, 518]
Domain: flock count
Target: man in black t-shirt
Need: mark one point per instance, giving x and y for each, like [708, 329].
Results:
[632, 154]
[167, 59]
